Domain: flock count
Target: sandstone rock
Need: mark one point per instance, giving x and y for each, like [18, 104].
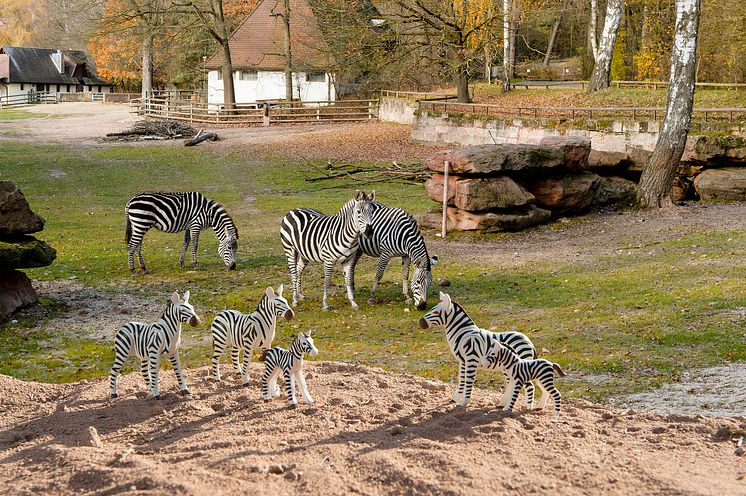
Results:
[599, 160]
[16, 216]
[575, 148]
[475, 195]
[569, 194]
[434, 187]
[615, 191]
[25, 252]
[487, 159]
[501, 220]
[15, 292]
[726, 149]
[728, 184]
[682, 189]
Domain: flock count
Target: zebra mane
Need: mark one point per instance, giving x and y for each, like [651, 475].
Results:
[223, 214]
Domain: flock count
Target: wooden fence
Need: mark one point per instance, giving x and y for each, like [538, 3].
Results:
[416, 95]
[256, 114]
[617, 84]
[635, 113]
[28, 99]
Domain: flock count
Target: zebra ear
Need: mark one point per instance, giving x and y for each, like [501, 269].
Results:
[175, 298]
[280, 288]
[186, 296]
[269, 292]
[372, 196]
[446, 300]
[434, 261]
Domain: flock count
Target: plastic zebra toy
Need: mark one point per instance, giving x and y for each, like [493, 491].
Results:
[521, 372]
[149, 342]
[289, 363]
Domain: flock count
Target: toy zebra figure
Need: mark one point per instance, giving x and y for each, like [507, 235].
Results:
[289, 363]
[175, 212]
[247, 332]
[469, 344]
[521, 372]
[149, 342]
[309, 236]
[396, 234]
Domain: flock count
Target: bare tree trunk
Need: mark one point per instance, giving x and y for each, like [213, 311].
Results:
[660, 172]
[288, 55]
[229, 91]
[507, 70]
[462, 84]
[487, 65]
[592, 28]
[602, 67]
[147, 65]
[553, 33]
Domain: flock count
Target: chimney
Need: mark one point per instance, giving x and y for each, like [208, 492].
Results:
[58, 61]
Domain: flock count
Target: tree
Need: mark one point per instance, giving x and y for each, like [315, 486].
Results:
[507, 42]
[555, 30]
[660, 172]
[603, 52]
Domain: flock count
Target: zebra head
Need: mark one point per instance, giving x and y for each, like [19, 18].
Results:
[183, 310]
[421, 281]
[438, 315]
[498, 356]
[228, 247]
[305, 343]
[363, 212]
[282, 308]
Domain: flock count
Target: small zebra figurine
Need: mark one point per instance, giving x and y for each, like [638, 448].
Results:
[469, 344]
[521, 372]
[247, 332]
[149, 342]
[290, 364]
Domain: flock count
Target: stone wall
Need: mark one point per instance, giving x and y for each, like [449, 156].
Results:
[398, 110]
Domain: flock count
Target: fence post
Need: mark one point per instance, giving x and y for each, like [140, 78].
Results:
[370, 109]
[444, 222]
[265, 116]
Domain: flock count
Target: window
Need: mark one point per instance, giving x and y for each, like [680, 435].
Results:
[21, 86]
[247, 75]
[316, 77]
[216, 74]
[58, 88]
[67, 88]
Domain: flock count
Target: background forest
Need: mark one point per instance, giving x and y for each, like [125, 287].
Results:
[407, 51]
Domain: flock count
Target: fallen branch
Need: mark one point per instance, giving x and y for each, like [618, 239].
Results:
[201, 137]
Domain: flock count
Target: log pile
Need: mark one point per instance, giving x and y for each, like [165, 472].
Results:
[154, 130]
[511, 187]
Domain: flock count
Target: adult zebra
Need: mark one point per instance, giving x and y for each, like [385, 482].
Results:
[396, 234]
[307, 235]
[175, 212]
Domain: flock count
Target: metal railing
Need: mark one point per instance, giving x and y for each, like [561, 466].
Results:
[635, 113]
[31, 98]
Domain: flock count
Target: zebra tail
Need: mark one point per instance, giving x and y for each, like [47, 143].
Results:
[128, 231]
[264, 356]
[558, 370]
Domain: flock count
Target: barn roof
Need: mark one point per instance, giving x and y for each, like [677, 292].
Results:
[36, 65]
[258, 43]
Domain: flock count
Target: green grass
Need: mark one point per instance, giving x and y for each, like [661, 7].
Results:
[13, 114]
[632, 319]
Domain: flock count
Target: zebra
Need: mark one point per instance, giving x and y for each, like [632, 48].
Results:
[469, 344]
[175, 212]
[521, 372]
[307, 235]
[289, 363]
[149, 341]
[247, 331]
[396, 234]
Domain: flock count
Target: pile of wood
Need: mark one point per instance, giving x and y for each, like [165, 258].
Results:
[511, 187]
[154, 130]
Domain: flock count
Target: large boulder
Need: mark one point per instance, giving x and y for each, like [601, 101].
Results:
[478, 194]
[495, 221]
[566, 195]
[434, 187]
[16, 216]
[575, 149]
[615, 191]
[728, 184]
[725, 149]
[15, 292]
[25, 252]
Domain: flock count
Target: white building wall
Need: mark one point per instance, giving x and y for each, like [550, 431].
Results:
[270, 85]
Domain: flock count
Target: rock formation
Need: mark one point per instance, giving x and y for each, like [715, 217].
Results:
[18, 250]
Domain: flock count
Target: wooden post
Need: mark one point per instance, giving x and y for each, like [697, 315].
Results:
[265, 117]
[444, 223]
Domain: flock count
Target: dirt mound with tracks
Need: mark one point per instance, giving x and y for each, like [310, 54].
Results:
[369, 432]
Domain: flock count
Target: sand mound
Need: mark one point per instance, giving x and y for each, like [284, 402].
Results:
[369, 432]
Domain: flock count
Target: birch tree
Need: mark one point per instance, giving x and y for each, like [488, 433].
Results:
[659, 173]
[507, 42]
[603, 51]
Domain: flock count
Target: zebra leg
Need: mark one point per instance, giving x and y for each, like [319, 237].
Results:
[275, 388]
[530, 394]
[176, 364]
[267, 384]
[303, 387]
[290, 387]
[245, 366]
[405, 262]
[348, 269]
[145, 372]
[458, 395]
[184, 247]
[194, 233]
[383, 261]
[328, 268]
[300, 266]
[549, 389]
[217, 351]
[514, 387]
[154, 360]
[141, 260]
[131, 250]
[470, 373]
[235, 353]
[114, 374]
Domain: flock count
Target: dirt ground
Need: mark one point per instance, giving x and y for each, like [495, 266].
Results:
[370, 432]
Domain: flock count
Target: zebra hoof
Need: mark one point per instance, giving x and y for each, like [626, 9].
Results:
[184, 392]
[245, 384]
[355, 306]
[158, 397]
[114, 395]
[326, 308]
[294, 406]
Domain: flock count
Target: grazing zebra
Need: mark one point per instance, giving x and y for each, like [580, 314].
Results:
[289, 363]
[247, 331]
[396, 234]
[175, 212]
[149, 341]
[309, 236]
[469, 344]
[522, 372]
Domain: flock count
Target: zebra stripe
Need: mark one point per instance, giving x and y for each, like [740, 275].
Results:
[521, 372]
[289, 363]
[149, 341]
[396, 234]
[247, 332]
[469, 344]
[307, 236]
[175, 212]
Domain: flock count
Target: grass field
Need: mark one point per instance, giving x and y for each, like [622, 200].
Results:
[628, 319]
